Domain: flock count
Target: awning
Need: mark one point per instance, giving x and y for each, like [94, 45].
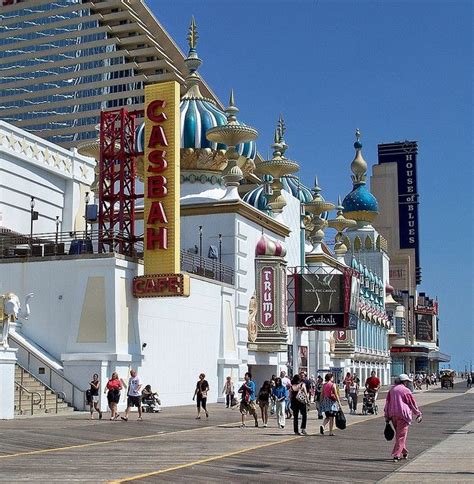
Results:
[438, 356]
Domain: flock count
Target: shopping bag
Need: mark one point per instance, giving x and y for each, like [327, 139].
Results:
[389, 433]
[340, 420]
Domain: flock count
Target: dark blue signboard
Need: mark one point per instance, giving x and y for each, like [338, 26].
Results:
[404, 155]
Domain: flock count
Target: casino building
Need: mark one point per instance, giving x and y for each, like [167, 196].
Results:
[63, 62]
[186, 267]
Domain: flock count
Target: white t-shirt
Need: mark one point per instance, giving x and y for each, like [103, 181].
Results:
[286, 382]
[133, 385]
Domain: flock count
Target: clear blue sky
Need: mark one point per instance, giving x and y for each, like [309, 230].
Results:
[395, 69]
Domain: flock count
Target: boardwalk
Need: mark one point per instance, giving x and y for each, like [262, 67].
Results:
[173, 447]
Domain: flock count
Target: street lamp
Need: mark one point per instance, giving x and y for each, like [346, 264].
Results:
[33, 216]
[57, 234]
[87, 199]
[200, 243]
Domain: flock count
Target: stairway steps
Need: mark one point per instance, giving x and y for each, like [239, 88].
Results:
[47, 404]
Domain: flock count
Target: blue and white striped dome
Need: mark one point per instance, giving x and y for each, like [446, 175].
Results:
[197, 115]
[291, 184]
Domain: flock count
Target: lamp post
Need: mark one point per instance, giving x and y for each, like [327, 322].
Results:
[32, 217]
[200, 245]
[220, 256]
[57, 235]
[87, 199]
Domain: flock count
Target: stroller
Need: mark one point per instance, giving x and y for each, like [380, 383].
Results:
[368, 404]
[150, 401]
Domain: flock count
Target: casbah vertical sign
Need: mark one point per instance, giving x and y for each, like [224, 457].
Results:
[161, 219]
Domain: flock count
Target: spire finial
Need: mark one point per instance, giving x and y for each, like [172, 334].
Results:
[193, 62]
[358, 165]
[231, 110]
[192, 35]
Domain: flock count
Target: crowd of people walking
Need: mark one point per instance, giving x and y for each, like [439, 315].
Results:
[278, 396]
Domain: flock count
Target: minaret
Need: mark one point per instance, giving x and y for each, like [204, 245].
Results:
[340, 223]
[277, 167]
[192, 62]
[232, 134]
[360, 205]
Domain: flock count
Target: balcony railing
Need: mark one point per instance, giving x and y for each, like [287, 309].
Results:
[74, 244]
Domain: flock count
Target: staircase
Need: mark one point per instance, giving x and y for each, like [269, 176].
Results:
[32, 397]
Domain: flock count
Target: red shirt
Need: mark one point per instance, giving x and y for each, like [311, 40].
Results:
[114, 385]
[372, 382]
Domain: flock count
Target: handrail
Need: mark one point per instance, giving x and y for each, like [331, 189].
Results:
[22, 388]
[51, 372]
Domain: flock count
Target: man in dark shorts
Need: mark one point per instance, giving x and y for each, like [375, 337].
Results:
[247, 404]
[134, 395]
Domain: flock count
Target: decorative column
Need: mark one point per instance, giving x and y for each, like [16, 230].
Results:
[267, 328]
[7, 382]
[277, 167]
[317, 224]
[340, 223]
[232, 134]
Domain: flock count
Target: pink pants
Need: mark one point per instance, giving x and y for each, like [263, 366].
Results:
[401, 434]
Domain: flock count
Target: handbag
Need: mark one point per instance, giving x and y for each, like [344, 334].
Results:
[340, 420]
[389, 433]
[233, 401]
[301, 396]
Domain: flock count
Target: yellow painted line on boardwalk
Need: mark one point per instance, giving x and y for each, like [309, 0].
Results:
[104, 442]
[203, 461]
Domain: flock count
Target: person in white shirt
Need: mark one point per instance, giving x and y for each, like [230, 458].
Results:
[134, 395]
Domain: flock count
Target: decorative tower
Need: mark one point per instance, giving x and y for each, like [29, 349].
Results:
[232, 134]
[360, 205]
[340, 223]
[316, 224]
[277, 167]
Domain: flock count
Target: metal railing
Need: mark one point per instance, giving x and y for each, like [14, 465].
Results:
[74, 244]
[59, 396]
[21, 390]
[56, 379]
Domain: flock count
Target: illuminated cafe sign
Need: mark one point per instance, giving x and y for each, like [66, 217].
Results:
[160, 285]
[161, 217]
[327, 301]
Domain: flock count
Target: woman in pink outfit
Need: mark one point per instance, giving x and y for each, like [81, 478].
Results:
[399, 409]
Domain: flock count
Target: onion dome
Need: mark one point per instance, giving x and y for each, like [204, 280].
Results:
[266, 246]
[197, 113]
[258, 199]
[360, 205]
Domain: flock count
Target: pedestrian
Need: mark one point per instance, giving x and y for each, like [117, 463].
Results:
[400, 406]
[134, 395]
[272, 400]
[347, 383]
[299, 399]
[113, 388]
[94, 396]
[280, 394]
[330, 403]
[263, 400]
[372, 384]
[353, 395]
[228, 391]
[247, 403]
[287, 384]
[469, 380]
[200, 394]
[318, 392]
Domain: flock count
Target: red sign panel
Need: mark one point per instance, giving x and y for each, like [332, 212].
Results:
[156, 285]
[267, 304]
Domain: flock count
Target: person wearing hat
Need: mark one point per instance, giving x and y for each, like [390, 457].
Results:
[399, 409]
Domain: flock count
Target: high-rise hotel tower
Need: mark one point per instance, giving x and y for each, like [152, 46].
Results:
[63, 61]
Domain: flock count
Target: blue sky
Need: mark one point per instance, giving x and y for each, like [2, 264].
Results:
[395, 69]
